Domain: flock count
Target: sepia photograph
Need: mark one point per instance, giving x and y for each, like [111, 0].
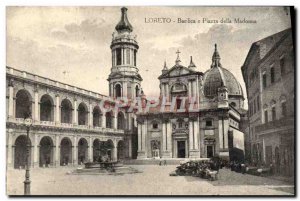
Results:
[150, 101]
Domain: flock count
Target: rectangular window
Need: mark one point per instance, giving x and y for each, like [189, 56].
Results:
[178, 103]
[119, 56]
[127, 56]
[254, 106]
[208, 122]
[272, 75]
[283, 107]
[264, 81]
[273, 113]
[282, 66]
[266, 116]
[180, 125]
[257, 101]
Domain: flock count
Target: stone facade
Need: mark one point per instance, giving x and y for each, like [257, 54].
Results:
[268, 72]
[197, 115]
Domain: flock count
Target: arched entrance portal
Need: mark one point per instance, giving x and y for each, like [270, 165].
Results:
[82, 151]
[65, 151]
[120, 151]
[46, 152]
[20, 151]
[96, 150]
[109, 149]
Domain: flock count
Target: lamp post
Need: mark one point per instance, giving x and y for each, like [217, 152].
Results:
[28, 124]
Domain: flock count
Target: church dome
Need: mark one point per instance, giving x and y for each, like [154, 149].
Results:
[217, 76]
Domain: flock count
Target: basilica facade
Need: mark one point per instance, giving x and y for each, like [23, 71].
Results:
[198, 115]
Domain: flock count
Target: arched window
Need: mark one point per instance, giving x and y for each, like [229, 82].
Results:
[96, 117]
[118, 90]
[66, 111]
[82, 114]
[121, 121]
[46, 108]
[108, 120]
[23, 104]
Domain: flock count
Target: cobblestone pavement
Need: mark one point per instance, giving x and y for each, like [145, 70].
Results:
[154, 180]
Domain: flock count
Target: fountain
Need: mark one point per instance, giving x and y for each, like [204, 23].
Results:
[105, 166]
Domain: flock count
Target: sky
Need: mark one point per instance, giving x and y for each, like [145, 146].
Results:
[72, 44]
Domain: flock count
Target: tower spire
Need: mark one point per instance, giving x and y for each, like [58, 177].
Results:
[192, 65]
[165, 68]
[178, 58]
[216, 58]
[124, 24]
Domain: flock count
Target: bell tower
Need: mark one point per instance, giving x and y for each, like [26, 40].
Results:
[124, 79]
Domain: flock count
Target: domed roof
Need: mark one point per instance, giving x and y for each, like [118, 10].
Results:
[124, 24]
[217, 76]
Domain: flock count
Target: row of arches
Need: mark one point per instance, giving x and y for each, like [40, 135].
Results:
[24, 107]
[47, 151]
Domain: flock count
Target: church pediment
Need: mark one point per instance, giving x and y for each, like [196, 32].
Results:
[176, 71]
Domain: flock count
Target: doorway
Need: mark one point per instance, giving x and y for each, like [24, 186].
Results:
[181, 149]
[210, 151]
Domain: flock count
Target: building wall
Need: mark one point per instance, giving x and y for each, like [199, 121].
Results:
[35, 87]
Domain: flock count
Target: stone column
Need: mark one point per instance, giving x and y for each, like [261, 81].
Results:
[195, 153]
[115, 57]
[190, 89]
[197, 91]
[192, 139]
[122, 56]
[125, 89]
[75, 151]
[115, 151]
[11, 101]
[75, 112]
[141, 144]
[144, 136]
[129, 147]
[9, 148]
[57, 151]
[57, 109]
[162, 89]
[90, 149]
[103, 121]
[115, 126]
[36, 106]
[167, 140]
[167, 92]
[36, 151]
[139, 137]
[164, 139]
[90, 114]
[194, 88]
[111, 90]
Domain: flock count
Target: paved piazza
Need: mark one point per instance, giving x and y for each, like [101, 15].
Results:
[154, 180]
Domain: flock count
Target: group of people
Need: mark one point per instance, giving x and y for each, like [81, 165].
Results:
[204, 169]
[238, 167]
